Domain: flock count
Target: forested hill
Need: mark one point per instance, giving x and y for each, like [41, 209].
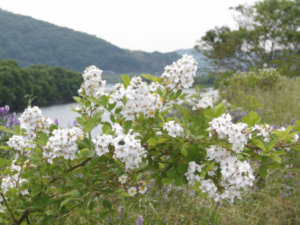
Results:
[30, 41]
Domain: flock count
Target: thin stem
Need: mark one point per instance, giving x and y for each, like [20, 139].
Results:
[8, 208]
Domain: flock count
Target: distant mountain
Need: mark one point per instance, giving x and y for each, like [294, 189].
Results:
[203, 62]
[31, 41]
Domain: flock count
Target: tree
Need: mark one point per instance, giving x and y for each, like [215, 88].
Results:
[268, 33]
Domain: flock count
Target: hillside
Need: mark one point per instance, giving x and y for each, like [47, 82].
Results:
[30, 41]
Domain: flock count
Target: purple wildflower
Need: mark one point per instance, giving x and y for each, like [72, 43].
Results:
[75, 123]
[140, 220]
[6, 109]
[56, 121]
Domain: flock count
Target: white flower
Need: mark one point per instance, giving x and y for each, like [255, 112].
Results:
[205, 99]
[236, 134]
[192, 169]
[173, 128]
[122, 179]
[20, 143]
[32, 121]
[13, 181]
[142, 189]
[132, 191]
[139, 98]
[63, 143]
[101, 143]
[93, 84]
[180, 74]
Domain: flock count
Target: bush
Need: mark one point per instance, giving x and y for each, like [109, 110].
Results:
[152, 140]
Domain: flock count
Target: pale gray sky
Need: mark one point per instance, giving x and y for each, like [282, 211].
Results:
[149, 25]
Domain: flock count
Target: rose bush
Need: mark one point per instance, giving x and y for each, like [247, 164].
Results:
[158, 134]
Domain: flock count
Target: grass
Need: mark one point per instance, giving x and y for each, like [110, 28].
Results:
[275, 203]
[278, 105]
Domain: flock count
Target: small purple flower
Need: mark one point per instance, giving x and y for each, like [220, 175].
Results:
[56, 121]
[1, 111]
[165, 219]
[140, 220]
[121, 210]
[6, 109]
[110, 218]
[75, 123]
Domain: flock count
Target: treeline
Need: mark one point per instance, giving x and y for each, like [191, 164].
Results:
[31, 41]
[47, 84]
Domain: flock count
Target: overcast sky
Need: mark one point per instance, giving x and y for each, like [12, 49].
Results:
[149, 25]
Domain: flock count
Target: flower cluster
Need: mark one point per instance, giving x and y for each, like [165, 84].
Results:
[13, 181]
[139, 98]
[192, 169]
[235, 175]
[101, 143]
[263, 131]
[93, 84]
[173, 128]
[20, 143]
[7, 119]
[33, 121]
[62, 143]
[180, 74]
[236, 134]
[205, 100]
[127, 147]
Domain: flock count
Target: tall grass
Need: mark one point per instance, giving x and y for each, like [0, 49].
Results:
[278, 105]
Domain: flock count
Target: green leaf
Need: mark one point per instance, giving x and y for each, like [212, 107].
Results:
[43, 138]
[152, 141]
[88, 126]
[118, 109]
[127, 126]
[77, 99]
[251, 119]
[6, 130]
[126, 80]
[184, 152]
[64, 202]
[263, 171]
[106, 128]
[219, 110]
[166, 181]
[260, 144]
[106, 204]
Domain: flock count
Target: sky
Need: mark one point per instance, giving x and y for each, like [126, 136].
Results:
[148, 25]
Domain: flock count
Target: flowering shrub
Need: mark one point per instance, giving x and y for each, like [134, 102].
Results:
[152, 139]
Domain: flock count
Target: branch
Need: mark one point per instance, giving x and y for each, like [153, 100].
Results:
[26, 213]
[8, 208]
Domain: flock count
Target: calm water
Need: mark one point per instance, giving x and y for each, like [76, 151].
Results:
[64, 114]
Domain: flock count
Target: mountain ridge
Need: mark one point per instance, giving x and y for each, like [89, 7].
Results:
[31, 41]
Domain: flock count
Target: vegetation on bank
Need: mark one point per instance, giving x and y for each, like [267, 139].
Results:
[273, 96]
[46, 84]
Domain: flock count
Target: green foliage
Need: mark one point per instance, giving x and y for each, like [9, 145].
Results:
[31, 41]
[274, 96]
[48, 84]
[268, 33]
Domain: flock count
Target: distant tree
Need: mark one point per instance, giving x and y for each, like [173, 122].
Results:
[48, 84]
[268, 33]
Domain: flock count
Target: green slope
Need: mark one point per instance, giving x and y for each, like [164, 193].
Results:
[30, 41]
